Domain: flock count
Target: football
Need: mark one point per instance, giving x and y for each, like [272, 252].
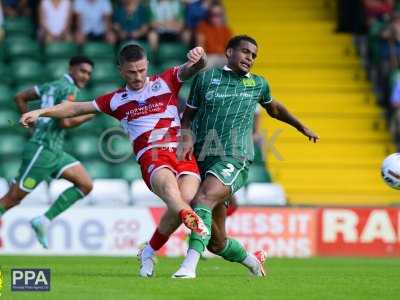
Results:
[391, 170]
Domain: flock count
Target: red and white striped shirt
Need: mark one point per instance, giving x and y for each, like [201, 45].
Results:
[150, 116]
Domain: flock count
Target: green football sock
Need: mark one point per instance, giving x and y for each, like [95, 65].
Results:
[64, 201]
[233, 251]
[196, 241]
[2, 210]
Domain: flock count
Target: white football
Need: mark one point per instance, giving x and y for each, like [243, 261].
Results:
[391, 170]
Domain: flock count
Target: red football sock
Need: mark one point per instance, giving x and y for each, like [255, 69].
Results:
[158, 240]
[230, 210]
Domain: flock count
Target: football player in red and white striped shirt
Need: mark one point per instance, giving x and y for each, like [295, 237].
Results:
[147, 110]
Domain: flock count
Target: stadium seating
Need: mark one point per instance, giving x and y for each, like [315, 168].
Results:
[105, 72]
[18, 27]
[84, 146]
[171, 51]
[5, 77]
[110, 193]
[27, 70]
[316, 74]
[9, 168]
[56, 68]
[10, 145]
[128, 170]
[6, 97]
[98, 169]
[60, 50]
[22, 47]
[99, 50]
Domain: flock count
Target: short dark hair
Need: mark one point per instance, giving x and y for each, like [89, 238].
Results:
[131, 53]
[80, 59]
[235, 41]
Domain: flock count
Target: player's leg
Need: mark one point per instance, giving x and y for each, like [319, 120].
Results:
[232, 205]
[35, 168]
[70, 169]
[170, 221]
[231, 249]
[165, 185]
[211, 193]
[12, 198]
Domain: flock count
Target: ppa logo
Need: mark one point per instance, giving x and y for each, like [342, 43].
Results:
[37, 280]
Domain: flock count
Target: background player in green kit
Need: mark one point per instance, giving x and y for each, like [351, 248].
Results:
[43, 157]
[220, 111]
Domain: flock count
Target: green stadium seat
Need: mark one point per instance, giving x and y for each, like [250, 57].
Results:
[22, 47]
[6, 97]
[9, 168]
[60, 50]
[19, 26]
[98, 169]
[56, 68]
[84, 146]
[128, 170]
[97, 50]
[101, 89]
[5, 77]
[152, 69]
[27, 70]
[105, 72]
[171, 51]
[8, 119]
[91, 127]
[108, 122]
[169, 64]
[11, 145]
[258, 173]
[2, 52]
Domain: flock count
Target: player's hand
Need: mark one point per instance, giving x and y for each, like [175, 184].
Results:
[195, 55]
[29, 119]
[185, 146]
[310, 134]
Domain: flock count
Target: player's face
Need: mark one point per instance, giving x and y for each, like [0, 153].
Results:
[135, 73]
[241, 58]
[81, 74]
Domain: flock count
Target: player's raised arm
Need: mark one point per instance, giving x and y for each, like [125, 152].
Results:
[66, 109]
[278, 111]
[197, 60]
[23, 97]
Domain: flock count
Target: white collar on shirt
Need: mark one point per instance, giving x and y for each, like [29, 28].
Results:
[226, 68]
[69, 78]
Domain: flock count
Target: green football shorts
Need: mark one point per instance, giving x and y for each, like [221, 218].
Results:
[230, 171]
[41, 164]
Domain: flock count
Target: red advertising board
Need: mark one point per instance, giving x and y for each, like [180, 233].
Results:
[358, 231]
[286, 232]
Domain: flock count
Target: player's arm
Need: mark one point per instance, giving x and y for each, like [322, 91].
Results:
[23, 97]
[66, 109]
[278, 111]
[75, 121]
[197, 60]
[185, 146]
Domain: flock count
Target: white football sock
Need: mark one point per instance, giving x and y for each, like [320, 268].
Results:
[191, 260]
[44, 220]
[250, 261]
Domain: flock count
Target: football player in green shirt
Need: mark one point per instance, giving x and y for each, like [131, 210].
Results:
[43, 156]
[220, 113]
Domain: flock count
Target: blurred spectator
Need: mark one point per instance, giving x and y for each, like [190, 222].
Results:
[377, 9]
[55, 20]
[196, 11]
[94, 21]
[213, 35]
[167, 22]
[391, 36]
[15, 8]
[1, 23]
[131, 20]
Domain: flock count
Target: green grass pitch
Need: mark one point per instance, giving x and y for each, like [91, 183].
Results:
[116, 278]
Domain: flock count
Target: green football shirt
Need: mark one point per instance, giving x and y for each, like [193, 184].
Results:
[47, 130]
[226, 103]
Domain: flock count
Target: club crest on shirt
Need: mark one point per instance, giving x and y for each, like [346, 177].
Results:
[248, 82]
[156, 86]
